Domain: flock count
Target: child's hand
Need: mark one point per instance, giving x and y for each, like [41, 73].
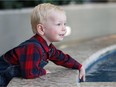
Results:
[82, 74]
[47, 71]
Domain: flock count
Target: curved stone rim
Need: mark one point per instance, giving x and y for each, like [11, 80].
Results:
[97, 56]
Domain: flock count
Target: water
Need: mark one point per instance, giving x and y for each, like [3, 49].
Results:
[103, 70]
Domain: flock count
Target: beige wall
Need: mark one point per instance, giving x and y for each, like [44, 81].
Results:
[86, 21]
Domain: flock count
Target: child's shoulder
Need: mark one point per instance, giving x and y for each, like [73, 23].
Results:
[31, 41]
[28, 44]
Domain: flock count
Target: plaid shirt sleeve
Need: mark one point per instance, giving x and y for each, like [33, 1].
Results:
[29, 58]
[59, 58]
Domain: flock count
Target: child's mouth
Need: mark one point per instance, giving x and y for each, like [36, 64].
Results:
[62, 35]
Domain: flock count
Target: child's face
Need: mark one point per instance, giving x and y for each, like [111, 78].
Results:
[55, 27]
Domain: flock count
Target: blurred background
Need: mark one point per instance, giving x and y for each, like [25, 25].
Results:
[86, 18]
[14, 4]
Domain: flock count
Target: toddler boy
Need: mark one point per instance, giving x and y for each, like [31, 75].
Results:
[29, 58]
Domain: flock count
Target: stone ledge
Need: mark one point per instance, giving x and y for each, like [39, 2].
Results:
[62, 77]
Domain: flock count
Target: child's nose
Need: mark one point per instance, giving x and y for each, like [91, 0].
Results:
[64, 28]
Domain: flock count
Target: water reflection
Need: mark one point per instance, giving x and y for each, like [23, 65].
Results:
[103, 70]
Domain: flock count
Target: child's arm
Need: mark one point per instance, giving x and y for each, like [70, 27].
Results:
[59, 58]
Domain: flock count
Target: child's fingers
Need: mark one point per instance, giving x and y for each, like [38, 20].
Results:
[82, 78]
[82, 74]
[47, 71]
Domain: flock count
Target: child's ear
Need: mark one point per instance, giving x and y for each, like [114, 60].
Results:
[40, 29]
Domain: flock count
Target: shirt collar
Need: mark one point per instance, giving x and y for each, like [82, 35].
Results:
[43, 43]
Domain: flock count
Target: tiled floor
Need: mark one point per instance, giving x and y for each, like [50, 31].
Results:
[62, 77]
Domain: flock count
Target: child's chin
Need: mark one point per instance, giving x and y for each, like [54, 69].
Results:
[58, 40]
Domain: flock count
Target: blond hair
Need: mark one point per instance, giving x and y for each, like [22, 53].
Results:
[40, 13]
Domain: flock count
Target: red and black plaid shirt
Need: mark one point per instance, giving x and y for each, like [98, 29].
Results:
[33, 54]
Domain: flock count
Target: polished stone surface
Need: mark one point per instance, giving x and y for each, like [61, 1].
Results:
[62, 77]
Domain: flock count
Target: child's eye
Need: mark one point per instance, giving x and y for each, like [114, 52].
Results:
[59, 24]
[64, 23]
